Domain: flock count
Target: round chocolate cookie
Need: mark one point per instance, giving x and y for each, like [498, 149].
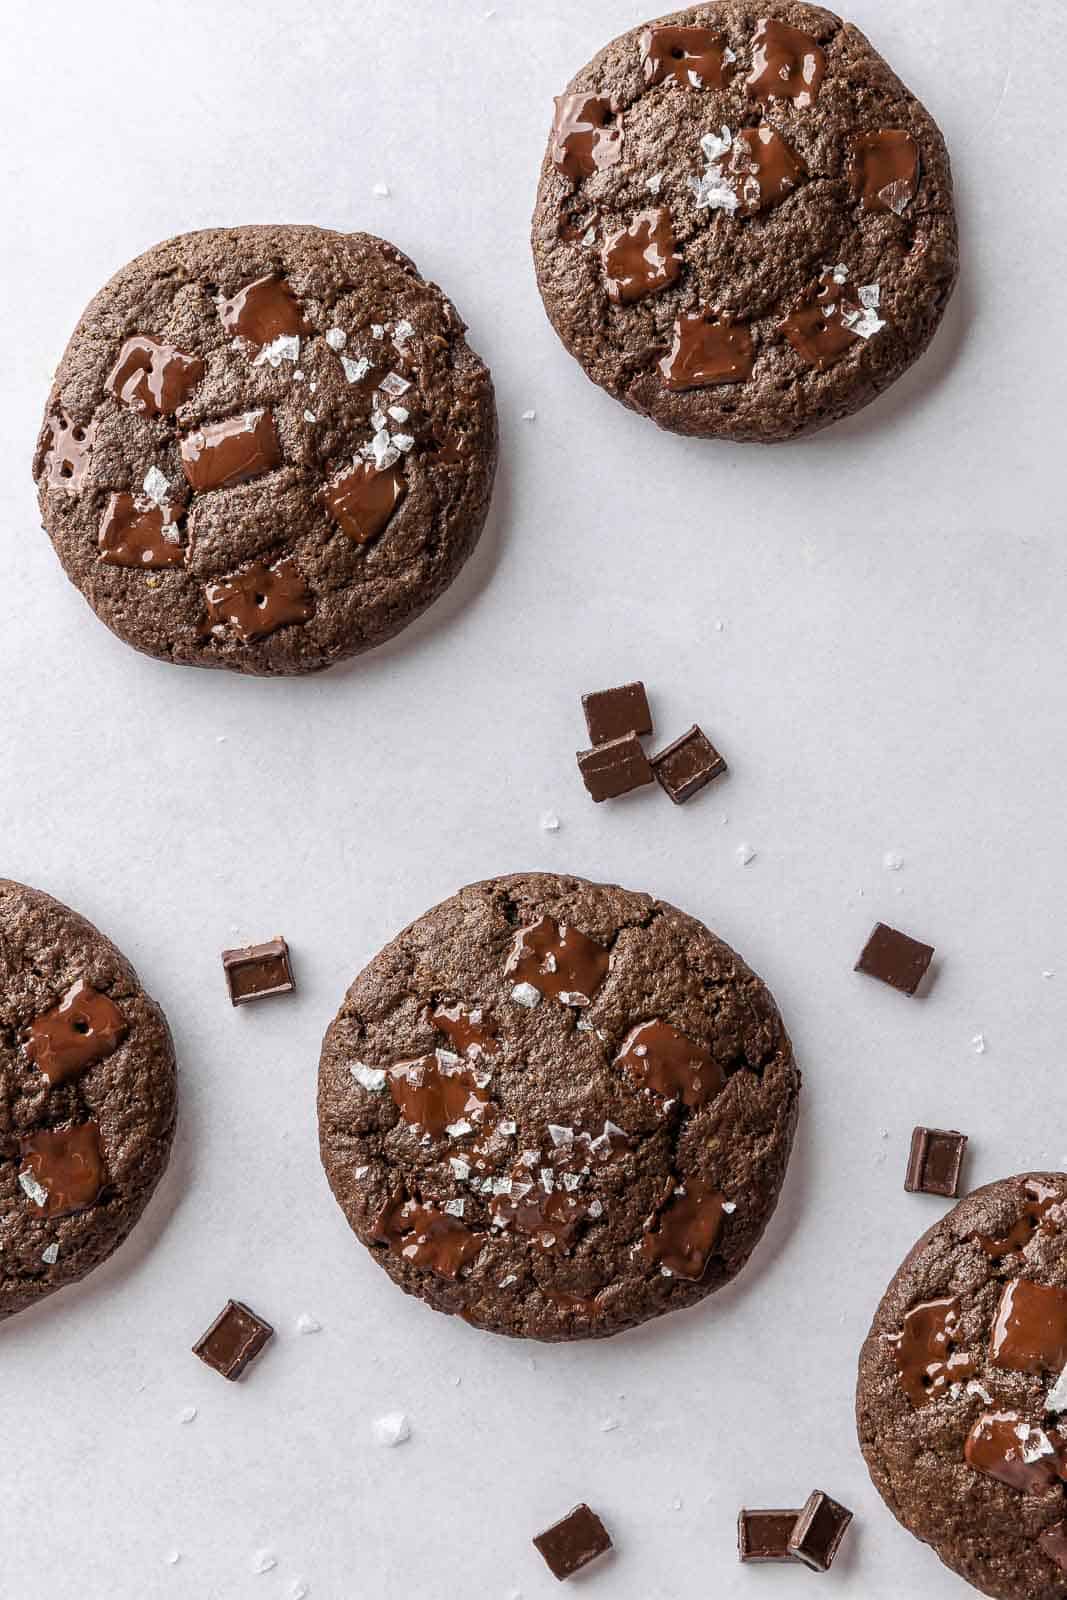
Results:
[962, 1398]
[557, 1108]
[744, 227]
[87, 1097]
[267, 448]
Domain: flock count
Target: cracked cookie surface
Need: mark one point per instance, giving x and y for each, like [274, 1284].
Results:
[744, 224]
[960, 1406]
[87, 1097]
[267, 448]
[557, 1108]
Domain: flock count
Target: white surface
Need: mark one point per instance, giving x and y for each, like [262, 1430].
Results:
[888, 676]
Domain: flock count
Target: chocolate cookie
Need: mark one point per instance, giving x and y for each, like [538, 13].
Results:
[557, 1108]
[267, 448]
[87, 1097]
[962, 1399]
[744, 226]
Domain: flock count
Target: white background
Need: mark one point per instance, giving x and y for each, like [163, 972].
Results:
[888, 676]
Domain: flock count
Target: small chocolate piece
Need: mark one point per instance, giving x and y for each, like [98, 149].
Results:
[258, 970]
[1030, 1328]
[425, 1236]
[221, 454]
[895, 958]
[574, 1541]
[883, 172]
[681, 1237]
[558, 960]
[764, 1535]
[610, 713]
[470, 1033]
[694, 57]
[935, 1162]
[787, 64]
[615, 767]
[152, 377]
[687, 765]
[819, 1530]
[63, 1169]
[1053, 1542]
[667, 1061]
[259, 601]
[84, 1027]
[234, 1339]
[707, 350]
[1006, 1446]
[262, 311]
[642, 259]
[586, 135]
[363, 499]
[134, 533]
[928, 1361]
[822, 328]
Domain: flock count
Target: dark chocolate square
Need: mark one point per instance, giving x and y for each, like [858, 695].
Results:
[895, 958]
[614, 768]
[935, 1162]
[234, 1339]
[609, 713]
[574, 1541]
[257, 971]
[764, 1535]
[819, 1530]
[687, 765]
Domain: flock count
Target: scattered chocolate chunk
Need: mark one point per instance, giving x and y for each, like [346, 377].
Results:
[764, 1535]
[258, 970]
[935, 1162]
[895, 958]
[614, 768]
[234, 1339]
[687, 765]
[574, 1541]
[611, 713]
[819, 1530]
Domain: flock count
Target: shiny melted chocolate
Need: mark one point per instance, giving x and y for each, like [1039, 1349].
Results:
[1030, 1328]
[84, 1027]
[883, 170]
[433, 1094]
[586, 135]
[763, 169]
[661, 1058]
[682, 1235]
[817, 330]
[694, 57]
[257, 602]
[642, 259]
[1043, 1208]
[558, 961]
[708, 351]
[928, 1362]
[67, 458]
[68, 1164]
[787, 64]
[362, 499]
[137, 533]
[469, 1032]
[152, 377]
[262, 311]
[425, 1236]
[224, 453]
[1005, 1446]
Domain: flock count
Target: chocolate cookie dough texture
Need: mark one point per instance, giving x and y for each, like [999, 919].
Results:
[744, 226]
[87, 1097]
[557, 1108]
[267, 448]
[962, 1398]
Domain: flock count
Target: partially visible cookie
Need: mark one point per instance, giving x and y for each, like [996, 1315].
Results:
[557, 1108]
[267, 448]
[962, 1398]
[744, 226]
[87, 1097]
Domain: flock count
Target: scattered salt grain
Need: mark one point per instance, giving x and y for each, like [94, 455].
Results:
[745, 854]
[263, 1561]
[36, 1191]
[549, 822]
[309, 416]
[187, 1414]
[336, 338]
[978, 1044]
[892, 861]
[394, 384]
[286, 347]
[172, 1557]
[529, 416]
[392, 1429]
[524, 994]
[50, 1254]
[368, 1077]
[156, 486]
[306, 1323]
[381, 190]
[355, 371]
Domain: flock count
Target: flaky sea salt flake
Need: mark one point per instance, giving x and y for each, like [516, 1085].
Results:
[156, 486]
[524, 994]
[391, 1429]
[286, 347]
[368, 1077]
[306, 1323]
[263, 1561]
[36, 1191]
[355, 371]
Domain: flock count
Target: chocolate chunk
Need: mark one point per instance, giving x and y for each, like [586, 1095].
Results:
[935, 1162]
[787, 64]
[469, 1032]
[681, 1238]
[614, 768]
[63, 1169]
[883, 172]
[764, 1535]
[642, 259]
[574, 1541]
[611, 713]
[433, 1095]
[1030, 1328]
[586, 135]
[221, 454]
[234, 1339]
[687, 765]
[84, 1027]
[823, 327]
[425, 1236]
[1005, 1445]
[154, 378]
[558, 960]
[69, 452]
[1043, 1208]
[708, 350]
[136, 534]
[819, 1530]
[262, 311]
[895, 958]
[928, 1361]
[258, 970]
[694, 57]
[669, 1062]
[362, 500]
[259, 601]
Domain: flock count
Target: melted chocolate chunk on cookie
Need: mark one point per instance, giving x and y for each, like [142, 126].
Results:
[540, 1207]
[559, 961]
[69, 451]
[642, 259]
[928, 1362]
[257, 602]
[665, 1060]
[682, 1235]
[1006, 1446]
[1053, 1543]
[224, 453]
[152, 377]
[1030, 1328]
[362, 499]
[469, 1032]
[1043, 1209]
[84, 1027]
[883, 171]
[136, 533]
[586, 135]
[425, 1236]
[764, 169]
[697, 58]
[822, 329]
[63, 1169]
[264, 310]
[707, 350]
[436, 1093]
[787, 64]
